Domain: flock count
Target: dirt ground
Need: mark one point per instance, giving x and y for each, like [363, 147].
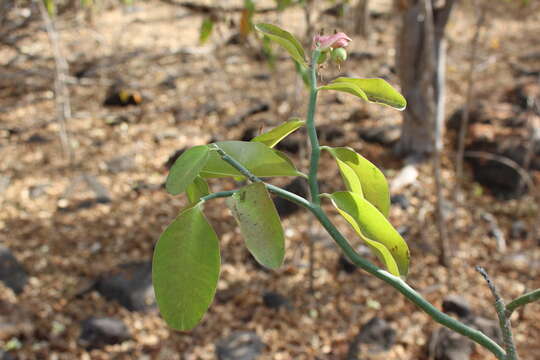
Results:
[194, 94]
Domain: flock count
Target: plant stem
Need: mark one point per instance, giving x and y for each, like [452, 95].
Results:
[522, 300]
[219, 195]
[312, 132]
[364, 264]
[504, 322]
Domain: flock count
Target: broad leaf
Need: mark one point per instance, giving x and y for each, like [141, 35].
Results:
[277, 134]
[375, 230]
[185, 269]
[258, 158]
[197, 189]
[374, 186]
[285, 39]
[259, 223]
[373, 90]
[207, 26]
[186, 168]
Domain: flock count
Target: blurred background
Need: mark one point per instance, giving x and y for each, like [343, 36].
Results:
[98, 98]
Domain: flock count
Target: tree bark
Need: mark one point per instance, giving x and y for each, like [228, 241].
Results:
[417, 135]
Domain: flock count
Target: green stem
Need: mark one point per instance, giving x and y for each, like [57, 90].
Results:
[219, 195]
[522, 300]
[235, 164]
[312, 132]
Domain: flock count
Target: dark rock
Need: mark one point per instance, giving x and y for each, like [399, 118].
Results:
[230, 292]
[329, 133]
[120, 163]
[12, 273]
[457, 305]
[6, 355]
[130, 285]
[274, 300]
[261, 77]
[240, 345]
[358, 116]
[518, 230]
[255, 109]
[98, 332]
[170, 161]
[448, 345]
[384, 135]
[249, 134]
[286, 208]
[400, 200]
[346, 265]
[37, 139]
[290, 144]
[37, 191]
[375, 336]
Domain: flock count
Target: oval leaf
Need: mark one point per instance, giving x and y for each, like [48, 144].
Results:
[374, 186]
[347, 88]
[377, 90]
[186, 168]
[259, 223]
[197, 189]
[274, 136]
[258, 158]
[375, 230]
[185, 269]
[285, 39]
[207, 26]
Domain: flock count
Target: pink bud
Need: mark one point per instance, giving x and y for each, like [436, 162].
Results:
[324, 42]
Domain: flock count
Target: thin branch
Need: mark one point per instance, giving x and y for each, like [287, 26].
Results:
[504, 321]
[480, 10]
[521, 301]
[63, 105]
[209, 9]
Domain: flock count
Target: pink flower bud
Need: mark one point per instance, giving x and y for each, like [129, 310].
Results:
[324, 42]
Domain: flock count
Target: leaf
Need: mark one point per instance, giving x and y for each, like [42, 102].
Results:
[274, 136]
[207, 26]
[285, 39]
[197, 189]
[259, 223]
[185, 269]
[375, 230]
[373, 184]
[246, 20]
[50, 5]
[373, 90]
[186, 168]
[258, 158]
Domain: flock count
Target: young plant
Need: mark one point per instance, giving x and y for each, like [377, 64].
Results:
[186, 259]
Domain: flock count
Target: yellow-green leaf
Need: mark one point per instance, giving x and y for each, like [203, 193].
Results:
[373, 184]
[285, 39]
[259, 223]
[185, 269]
[375, 230]
[274, 136]
[373, 90]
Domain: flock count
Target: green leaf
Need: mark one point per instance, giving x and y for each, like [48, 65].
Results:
[373, 184]
[185, 269]
[50, 5]
[375, 230]
[206, 30]
[274, 136]
[259, 223]
[186, 168]
[372, 90]
[197, 189]
[258, 158]
[285, 39]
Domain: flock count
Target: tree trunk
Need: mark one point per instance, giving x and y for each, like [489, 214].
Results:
[422, 84]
